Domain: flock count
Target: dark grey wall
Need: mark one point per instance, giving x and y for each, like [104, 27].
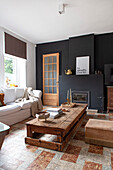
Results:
[92, 83]
[81, 46]
[103, 50]
[100, 50]
[68, 49]
[62, 47]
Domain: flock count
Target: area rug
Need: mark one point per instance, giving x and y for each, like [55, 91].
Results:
[16, 155]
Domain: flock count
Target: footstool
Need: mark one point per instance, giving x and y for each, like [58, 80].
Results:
[99, 132]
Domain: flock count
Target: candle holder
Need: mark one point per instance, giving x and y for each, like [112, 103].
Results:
[68, 101]
[69, 97]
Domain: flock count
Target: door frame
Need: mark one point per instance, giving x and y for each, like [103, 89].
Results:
[57, 78]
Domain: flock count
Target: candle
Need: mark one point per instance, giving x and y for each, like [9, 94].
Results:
[67, 94]
[70, 97]
[70, 92]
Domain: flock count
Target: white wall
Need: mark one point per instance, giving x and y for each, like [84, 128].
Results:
[30, 63]
[31, 66]
[1, 58]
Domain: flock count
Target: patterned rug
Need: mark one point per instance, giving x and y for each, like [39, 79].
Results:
[16, 155]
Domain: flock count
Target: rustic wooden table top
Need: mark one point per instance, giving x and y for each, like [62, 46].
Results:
[63, 121]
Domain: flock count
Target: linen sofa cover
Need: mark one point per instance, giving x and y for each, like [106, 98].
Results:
[19, 92]
[15, 112]
[10, 95]
[15, 117]
[8, 109]
[23, 105]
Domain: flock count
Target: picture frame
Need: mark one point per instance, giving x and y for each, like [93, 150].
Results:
[82, 65]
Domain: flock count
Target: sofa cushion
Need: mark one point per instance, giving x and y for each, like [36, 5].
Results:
[8, 109]
[37, 93]
[24, 105]
[10, 95]
[2, 99]
[19, 92]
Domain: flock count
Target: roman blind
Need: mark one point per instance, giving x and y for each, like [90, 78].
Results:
[15, 47]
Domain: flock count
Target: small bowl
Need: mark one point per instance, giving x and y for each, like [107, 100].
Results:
[43, 115]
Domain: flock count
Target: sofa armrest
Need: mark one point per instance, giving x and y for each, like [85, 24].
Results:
[37, 93]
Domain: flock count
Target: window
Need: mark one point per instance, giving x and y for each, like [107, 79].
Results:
[15, 71]
[10, 69]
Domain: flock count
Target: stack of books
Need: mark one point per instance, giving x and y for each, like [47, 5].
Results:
[54, 112]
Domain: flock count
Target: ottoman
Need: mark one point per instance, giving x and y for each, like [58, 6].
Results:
[99, 132]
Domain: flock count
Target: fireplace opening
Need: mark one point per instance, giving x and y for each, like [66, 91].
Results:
[81, 97]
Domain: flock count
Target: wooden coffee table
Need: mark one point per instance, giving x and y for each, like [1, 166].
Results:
[55, 133]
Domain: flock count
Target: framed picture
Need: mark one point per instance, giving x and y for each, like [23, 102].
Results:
[82, 65]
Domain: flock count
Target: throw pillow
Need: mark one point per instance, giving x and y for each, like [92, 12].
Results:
[2, 100]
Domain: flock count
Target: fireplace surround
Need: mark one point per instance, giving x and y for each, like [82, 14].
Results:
[81, 97]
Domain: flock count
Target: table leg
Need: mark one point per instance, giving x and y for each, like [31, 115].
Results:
[29, 131]
[1, 140]
[60, 138]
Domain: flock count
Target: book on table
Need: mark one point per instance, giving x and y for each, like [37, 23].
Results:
[54, 112]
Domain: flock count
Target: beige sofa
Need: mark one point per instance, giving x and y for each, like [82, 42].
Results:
[15, 112]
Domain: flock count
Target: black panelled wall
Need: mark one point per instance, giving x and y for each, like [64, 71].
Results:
[100, 50]
[47, 48]
[80, 46]
[103, 54]
[92, 83]
[103, 50]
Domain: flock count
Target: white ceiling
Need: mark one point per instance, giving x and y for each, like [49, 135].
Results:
[39, 21]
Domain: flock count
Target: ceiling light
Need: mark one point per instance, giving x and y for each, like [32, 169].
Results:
[61, 8]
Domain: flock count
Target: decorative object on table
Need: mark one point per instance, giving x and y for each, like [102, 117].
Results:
[65, 110]
[82, 65]
[66, 105]
[69, 97]
[54, 112]
[7, 81]
[43, 115]
[68, 72]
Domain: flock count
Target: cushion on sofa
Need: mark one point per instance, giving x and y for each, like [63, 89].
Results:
[8, 109]
[24, 105]
[37, 93]
[2, 99]
[19, 92]
[10, 95]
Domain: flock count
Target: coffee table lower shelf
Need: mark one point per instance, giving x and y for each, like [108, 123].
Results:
[55, 145]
